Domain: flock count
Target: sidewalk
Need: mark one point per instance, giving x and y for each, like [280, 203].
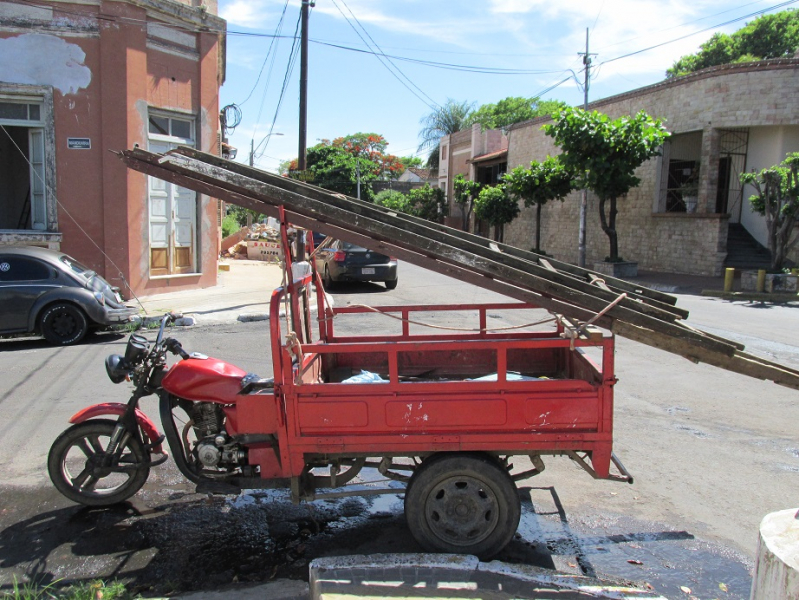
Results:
[241, 294]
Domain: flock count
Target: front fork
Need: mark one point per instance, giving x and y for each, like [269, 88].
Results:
[130, 421]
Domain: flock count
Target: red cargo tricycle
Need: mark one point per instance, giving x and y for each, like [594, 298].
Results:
[443, 412]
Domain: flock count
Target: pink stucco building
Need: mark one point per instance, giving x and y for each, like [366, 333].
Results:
[79, 81]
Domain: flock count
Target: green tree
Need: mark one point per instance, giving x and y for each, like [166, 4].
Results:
[394, 200]
[542, 182]
[444, 120]
[334, 168]
[464, 192]
[410, 162]
[240, 214]
[428, 203]
[604, 155]
[769, 36]
[372, 147]
[497, 208]
[229, 226]
[777, 198]
[512, 110]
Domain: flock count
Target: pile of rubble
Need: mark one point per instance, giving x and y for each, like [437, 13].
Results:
[260, 241]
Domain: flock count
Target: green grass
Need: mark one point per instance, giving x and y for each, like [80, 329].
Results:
[94, 590]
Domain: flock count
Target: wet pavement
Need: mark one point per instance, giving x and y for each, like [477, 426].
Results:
[166, 541]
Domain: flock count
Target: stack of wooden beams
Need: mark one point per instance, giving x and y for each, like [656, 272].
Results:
[580, 295]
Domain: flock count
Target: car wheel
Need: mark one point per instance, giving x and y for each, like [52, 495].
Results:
[63, 324]
[391, 284]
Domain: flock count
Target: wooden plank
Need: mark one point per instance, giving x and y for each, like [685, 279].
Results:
[227, 181]
[740, 362]
[575, 274]
[370, 211]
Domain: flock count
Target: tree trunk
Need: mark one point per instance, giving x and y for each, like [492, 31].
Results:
[538, 228]
[465, 214]
[609, 227]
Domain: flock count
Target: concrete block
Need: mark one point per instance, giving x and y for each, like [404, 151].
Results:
[617, 269]
[777, 566]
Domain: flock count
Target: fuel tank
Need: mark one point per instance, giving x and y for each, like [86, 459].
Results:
[204, 380]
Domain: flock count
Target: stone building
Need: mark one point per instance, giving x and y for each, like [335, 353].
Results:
[79, 80]
[724, 120]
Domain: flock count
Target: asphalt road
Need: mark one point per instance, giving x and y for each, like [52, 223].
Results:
[712, 453]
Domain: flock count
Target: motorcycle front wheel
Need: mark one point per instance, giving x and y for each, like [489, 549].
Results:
[83, 470]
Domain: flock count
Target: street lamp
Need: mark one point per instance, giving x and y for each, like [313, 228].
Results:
[252, 145]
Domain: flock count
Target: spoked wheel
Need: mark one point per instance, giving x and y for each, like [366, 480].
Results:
[462, 503]
[82, 469]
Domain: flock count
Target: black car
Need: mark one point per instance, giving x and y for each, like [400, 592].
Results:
[51, 294]
[342, 261]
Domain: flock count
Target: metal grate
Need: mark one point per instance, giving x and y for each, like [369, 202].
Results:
[733, 146]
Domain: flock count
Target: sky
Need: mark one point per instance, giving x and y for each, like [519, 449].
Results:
[381, 66]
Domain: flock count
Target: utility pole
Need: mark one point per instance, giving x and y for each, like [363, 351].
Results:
[302, 157]
[584, 201]
[358, 175]
[252, 152]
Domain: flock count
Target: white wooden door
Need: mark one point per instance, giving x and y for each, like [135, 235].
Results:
[173, 224]
[37, 183]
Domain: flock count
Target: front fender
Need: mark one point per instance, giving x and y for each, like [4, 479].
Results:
[81, 297]
[117, 409]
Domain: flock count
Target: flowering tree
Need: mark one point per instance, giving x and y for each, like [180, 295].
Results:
[777, 198]
[372, 147]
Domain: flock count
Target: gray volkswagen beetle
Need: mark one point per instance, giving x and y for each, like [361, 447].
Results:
[51, 294]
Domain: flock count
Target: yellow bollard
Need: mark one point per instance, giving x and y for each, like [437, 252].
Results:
[729, 276]
[761, 281]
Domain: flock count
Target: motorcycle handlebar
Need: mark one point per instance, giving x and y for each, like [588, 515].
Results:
[175, 347]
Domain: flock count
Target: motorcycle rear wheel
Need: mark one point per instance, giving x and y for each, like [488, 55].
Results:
[81, 470]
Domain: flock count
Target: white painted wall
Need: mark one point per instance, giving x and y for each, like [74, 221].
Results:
[767, 147]
[41, 59]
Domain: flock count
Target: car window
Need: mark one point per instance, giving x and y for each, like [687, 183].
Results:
[348, 246]
[76, 266]
[94, 280]
[16, 268]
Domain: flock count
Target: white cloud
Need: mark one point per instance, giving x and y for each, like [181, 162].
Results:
[251, 13]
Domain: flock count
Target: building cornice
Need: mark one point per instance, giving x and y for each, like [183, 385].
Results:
[777, 64]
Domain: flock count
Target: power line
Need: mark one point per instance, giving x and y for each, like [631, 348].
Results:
[289, 70]
[436, 105]
[382, 57]
[686, 24]
[266, 58]
[737, 19]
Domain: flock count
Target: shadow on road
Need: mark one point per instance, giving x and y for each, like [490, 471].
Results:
[166, 541]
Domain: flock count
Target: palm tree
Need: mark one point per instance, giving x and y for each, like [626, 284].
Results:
[446, 119]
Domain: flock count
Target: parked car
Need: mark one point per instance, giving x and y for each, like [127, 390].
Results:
[51, 294]
[342, 261]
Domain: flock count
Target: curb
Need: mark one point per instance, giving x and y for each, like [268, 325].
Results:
[751, 296]
[452, 576]
[191, 319]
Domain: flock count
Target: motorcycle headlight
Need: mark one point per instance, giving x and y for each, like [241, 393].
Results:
[117, 368]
